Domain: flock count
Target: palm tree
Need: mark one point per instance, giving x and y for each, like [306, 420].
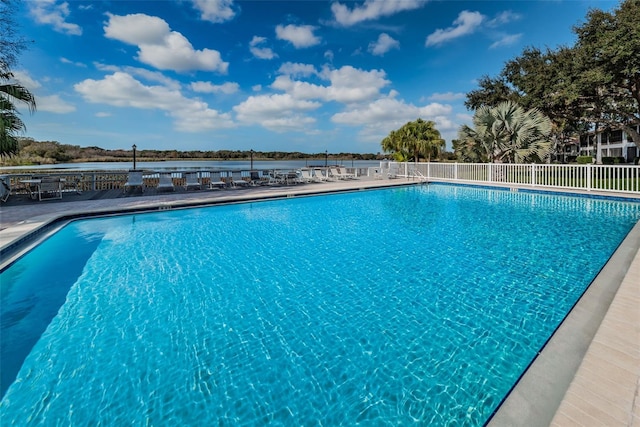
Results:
[429, 140]
[524, 134]
[393, 143]
[467, 148]
[507, 133]
[414, 140]
[10, 122]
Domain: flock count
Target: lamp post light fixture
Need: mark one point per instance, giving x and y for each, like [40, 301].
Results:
[134, 156]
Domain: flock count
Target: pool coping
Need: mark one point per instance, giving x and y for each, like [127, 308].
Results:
[538, 394]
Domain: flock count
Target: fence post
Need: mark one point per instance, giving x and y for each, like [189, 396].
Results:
[489, 173]
[588, 177]
[455, 171]
[533, 174]
[428, 169]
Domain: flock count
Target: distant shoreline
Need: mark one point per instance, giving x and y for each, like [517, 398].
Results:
[177, 165]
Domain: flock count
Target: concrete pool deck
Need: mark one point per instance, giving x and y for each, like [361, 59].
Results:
[588, 374]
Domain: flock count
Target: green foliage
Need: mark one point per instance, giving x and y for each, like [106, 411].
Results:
[506, 133]
[10, 90]
[608, 160]
[414, 140]
[593, 82]
[584, 160]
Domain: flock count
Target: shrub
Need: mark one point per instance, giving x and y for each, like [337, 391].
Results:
[608, 160]
[584, 160]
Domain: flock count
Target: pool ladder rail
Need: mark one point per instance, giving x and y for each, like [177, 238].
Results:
[415, 173]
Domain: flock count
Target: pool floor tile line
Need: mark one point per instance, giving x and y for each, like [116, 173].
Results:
[613, 354]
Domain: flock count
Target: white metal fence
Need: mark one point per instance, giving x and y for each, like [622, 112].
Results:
[609, 178]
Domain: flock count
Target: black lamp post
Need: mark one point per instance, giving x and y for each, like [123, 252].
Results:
[252, 159]
[134, 156]
[326, 158]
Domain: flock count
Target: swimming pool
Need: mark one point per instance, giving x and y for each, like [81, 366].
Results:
[388, 306]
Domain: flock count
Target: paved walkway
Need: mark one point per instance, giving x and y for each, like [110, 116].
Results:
[606, 389]
[588, 374]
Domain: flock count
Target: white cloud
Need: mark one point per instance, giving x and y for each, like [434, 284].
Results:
[447, 96]
[346, 85]
[371, 10]
[55, 14]
[378, 118]
[206, 87]
[122, 90]
[506, 40]
[148, 75]
[159, 46]
[466, 23]
[298, 35]
[504, 18]
[256, 88]
[328, 55]
[463, 117]
[260, 52]
[102, 114]
[54, 104]
[68, 61]
[24, 79]
[48, 103]
[383, 45]
[215, 11]
[297, 69]
[279, 113]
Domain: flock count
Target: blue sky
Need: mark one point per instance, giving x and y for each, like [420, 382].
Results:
[301, 75]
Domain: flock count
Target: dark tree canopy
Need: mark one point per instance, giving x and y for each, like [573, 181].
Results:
[593, 83]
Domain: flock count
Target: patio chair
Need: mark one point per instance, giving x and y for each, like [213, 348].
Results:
[306, 177]
[317, 173]
[5, 188]
[216, 180]
[346, 175]
[237, 180]
[166, 182]
[134, 180]
[394, 170]
[50, 188]
[257, 178]
[191, 181]
[335, 174]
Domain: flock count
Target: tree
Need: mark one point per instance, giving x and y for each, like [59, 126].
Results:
[506, 133]
[393, 143]
[424, 140]
[492, 92]
[470, 147]
[594, 83]
[10, 123]
[11, 91]
[608, 49]
[413, 140]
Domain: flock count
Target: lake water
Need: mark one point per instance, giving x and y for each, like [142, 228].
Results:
[195, 165]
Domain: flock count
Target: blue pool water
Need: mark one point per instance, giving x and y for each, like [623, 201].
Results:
[417, 304]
